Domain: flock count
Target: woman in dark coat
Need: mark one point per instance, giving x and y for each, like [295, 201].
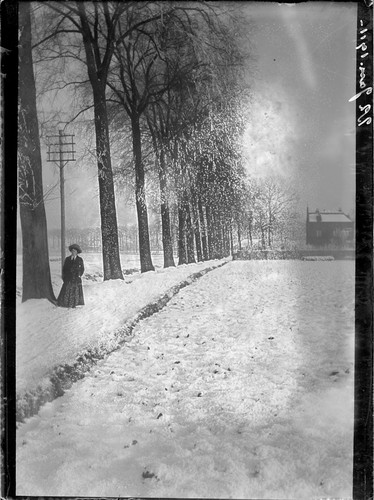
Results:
[71, 293]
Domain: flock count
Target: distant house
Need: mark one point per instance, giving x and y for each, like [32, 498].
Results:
[323, 228]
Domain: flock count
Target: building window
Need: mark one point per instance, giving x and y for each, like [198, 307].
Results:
[319, 233]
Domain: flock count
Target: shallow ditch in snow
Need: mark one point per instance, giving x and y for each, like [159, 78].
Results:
[62, 376]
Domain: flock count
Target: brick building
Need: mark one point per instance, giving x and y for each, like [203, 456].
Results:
[323, 228]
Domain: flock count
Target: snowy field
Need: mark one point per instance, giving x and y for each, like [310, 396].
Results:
[241, 387]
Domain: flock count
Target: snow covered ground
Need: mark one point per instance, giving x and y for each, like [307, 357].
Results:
[50, 336]
[241, 387]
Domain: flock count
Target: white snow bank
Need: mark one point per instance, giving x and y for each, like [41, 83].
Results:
[48, 336]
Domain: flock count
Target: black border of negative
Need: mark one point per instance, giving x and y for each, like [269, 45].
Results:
[363, 100]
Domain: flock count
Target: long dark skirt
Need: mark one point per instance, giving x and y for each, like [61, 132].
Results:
[71, 295]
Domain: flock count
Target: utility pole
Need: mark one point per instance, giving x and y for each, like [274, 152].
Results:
[61, 151]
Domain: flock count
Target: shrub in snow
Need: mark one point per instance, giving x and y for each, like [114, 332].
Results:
[133, 270]
[318, 257]
[266, 255]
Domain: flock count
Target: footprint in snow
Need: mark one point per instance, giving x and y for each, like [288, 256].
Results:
[149, 475]
[134, 442]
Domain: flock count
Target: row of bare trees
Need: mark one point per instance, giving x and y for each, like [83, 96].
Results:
[165, 82]
[167, 71]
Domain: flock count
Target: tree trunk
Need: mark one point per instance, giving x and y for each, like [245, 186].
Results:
[231, 241]
[226, 240]
[109, 229]
[269, 226]
[182, 251]
[220, 237]
[36, 272]
[190, 235]
[210, 231]
[141, 206]
[98, 78]
[239, 236]
[196, 227]
[204, 241]
[263, 244]
[217, 236]
[165, 215]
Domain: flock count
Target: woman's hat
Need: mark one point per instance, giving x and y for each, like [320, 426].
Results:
[76, 247]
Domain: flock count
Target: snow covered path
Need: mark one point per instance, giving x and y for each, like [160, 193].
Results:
[49, 336]
[242, 387]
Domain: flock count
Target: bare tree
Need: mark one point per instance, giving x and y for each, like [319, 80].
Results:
[94, 24]
[161, 166]
[97, 68]
[36, 272]
[164, 118]
[135, 84]
[272, 204]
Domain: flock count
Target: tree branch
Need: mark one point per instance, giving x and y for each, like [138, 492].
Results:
[80, 112]
[63, 13]
[52, 35]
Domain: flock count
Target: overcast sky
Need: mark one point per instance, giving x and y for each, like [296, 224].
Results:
[304, 77]
[302, 124]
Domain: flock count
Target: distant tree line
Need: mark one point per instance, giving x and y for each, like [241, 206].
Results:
[267, 216]
[90, 239]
